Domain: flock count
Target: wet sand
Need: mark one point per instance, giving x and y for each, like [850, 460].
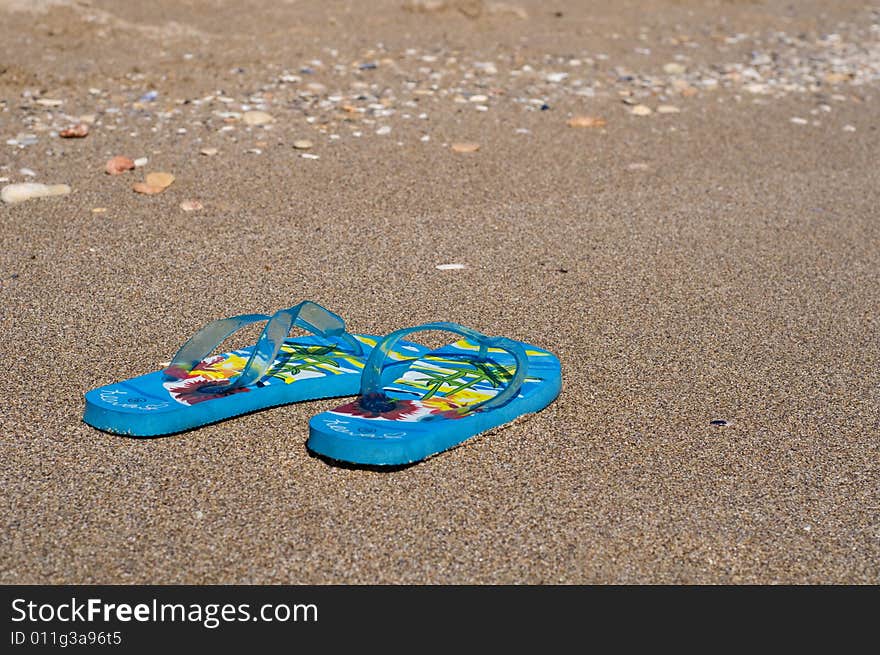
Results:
[720, 263]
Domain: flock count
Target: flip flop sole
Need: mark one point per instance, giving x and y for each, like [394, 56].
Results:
[308, 368]
[417, 429]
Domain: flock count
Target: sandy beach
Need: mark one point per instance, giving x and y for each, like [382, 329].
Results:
[677, 197]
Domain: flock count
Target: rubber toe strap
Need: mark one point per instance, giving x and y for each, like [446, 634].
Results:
[371, 379]
[203, 342]
[307, 315]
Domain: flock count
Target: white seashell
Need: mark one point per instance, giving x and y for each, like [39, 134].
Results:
[14, 193]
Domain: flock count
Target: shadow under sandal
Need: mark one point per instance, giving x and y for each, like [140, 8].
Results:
[434, 401]
[197, 389]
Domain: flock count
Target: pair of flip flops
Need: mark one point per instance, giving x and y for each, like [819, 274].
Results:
[412, 402]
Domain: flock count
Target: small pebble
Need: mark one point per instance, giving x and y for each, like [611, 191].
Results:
[641, 110]
[209, 152]
[161, 180]
[449, 267]
[668, 109]
[27, 172]
[674, 68]
[118, 165]
[836, 78]
[385, 129]
[257, 118]
[15, 193]
[849, 128]
[302, 144]
[50, 102]
[76, 132]
[309, 155]
[147, 189]
[797, 120]
[191, 205]
[140, 161]
[465, 147]
[586, 121]
[23, 139]
[479, 98]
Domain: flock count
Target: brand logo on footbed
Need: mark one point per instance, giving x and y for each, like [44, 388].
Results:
[127, 399]
[342, 426]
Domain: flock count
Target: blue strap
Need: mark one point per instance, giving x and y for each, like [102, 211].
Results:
[203, 342]
[316, 319]
[307, 315]
[373, 395]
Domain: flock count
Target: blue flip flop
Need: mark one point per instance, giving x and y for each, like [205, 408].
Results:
[197, 389]
[420, 405]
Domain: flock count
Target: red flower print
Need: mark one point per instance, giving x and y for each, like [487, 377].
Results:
[177, 372]
[188, 391]
[390, 409]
